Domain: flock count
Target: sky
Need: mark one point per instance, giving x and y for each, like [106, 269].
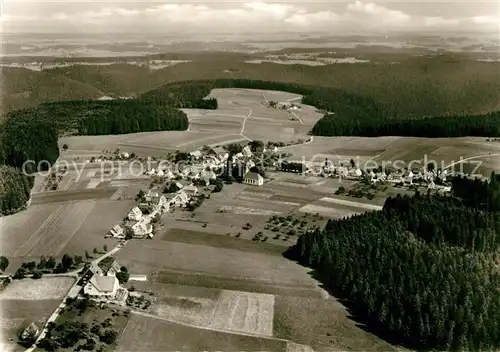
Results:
[170, 17]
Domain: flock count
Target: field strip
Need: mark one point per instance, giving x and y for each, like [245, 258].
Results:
[35, 234]
[146, 146]
[137, 312]
[269, 282]
[268, 201]
[204, 139]
[228, 115]
[93, 183]
[329, 212]
[226, 142]
[59, 232]
[351, 204]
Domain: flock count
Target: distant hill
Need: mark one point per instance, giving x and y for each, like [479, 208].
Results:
[417, 85]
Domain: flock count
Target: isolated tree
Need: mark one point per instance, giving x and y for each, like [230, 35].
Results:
[77, 259]
[67, 262]
[105, 247]
[4, 263]
[65, 146]
[87, 255]
[234, 148]
[353, 163]
[123, 277]
[129, 233]
[20, 273]
[95, 251]
[123, 268]
[256, 145]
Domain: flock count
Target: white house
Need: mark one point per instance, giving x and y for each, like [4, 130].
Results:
[181, 199]
[247, 152]
[191, 190]
[142, 229]
[135, 214]
[253, 178]
[102, 286]
[208, 175]
[195, 154]
[117, 231]
[152, 196]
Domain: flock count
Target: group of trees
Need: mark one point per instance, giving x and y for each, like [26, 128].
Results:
[421, 270]
[47, 265]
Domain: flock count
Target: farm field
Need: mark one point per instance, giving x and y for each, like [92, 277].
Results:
[149, 334]
[212, 127]
[59, 228]
[40, 289]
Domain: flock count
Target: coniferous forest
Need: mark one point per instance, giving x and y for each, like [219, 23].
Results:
[15, 189]
[422, 270]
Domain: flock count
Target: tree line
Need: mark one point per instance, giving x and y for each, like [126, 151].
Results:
[414, 271]
[342, 123]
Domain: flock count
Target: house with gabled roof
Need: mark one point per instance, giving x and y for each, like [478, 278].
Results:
[106, 267]
[253, 178]
[142, 229]
[135, 214]
[247, 151]
[191, 190]
[102, 286]
[181, 199]
[195, 154]
[31, 332]
[117, 231]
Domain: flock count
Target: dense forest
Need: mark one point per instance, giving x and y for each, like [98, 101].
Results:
[15, 189]
[477, 193]
[421, 271]
[351, 123]
[193, 95]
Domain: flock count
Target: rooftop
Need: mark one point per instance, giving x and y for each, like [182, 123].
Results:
[103, 283]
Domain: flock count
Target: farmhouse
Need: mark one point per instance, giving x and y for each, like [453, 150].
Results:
[117, 231]
[253, 178]
[152, 196]
[106, 267]
[181, 199]
[142, 229]
[195, 154]
[102, 286]
[30, 332]
[135, 214]
[247, 152]
[191, 190]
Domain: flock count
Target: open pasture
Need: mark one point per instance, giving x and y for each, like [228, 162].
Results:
[46, 288]
[203, 265]
[323, 324]
[149, 334]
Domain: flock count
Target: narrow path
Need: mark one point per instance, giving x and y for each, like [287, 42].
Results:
[243, 124]
[310, 140]
[297, 116]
